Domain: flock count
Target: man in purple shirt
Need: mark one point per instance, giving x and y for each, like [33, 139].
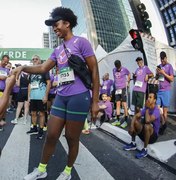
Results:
[105, 106]
[106, 85]
[141, 76]
[73, 100]
[147, 130]
[121, 81]
[165, 75]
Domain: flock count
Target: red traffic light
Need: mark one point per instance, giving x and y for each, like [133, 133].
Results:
[137, 41]
[133, 33]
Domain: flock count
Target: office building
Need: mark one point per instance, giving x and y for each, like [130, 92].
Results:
[46, 40]
[102, 22]
[167, 9]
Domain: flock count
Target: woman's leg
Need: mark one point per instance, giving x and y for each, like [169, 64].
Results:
[55, 126]
[72, 133]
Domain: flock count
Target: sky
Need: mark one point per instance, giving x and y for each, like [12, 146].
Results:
[22, 22]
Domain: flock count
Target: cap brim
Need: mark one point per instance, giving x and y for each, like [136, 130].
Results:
[51, 22]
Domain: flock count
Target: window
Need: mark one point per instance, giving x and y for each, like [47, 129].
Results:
[174, 9]
[166, 17]
[171, 14]
[171, 34]
[161, 3]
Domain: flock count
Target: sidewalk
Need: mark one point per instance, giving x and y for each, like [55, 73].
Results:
[163, 150]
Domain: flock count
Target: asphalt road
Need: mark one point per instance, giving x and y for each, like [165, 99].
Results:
[101, 157]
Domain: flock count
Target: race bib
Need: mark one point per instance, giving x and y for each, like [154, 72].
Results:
[3, 73]
[66, 76]
[118, 91]
[34, 85]
[161, 78]
[138, 83]
[104, 87]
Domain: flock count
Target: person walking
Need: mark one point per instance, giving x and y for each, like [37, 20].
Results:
[73, 100]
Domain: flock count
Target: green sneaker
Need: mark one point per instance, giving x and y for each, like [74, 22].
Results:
[124, 125]
[116, 123]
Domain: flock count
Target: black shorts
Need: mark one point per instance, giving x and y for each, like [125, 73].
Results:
[51, 96]
[15, 96]
[153, 137]
[138, 99]
[37, 105]
[23, 95]
[121, 97]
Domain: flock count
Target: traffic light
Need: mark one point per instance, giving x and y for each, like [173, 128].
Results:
[137, 41]
[146, 23]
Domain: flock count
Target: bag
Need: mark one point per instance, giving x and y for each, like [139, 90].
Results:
[79, 67]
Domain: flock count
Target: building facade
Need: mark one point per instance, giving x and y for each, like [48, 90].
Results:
[167, 9]
[102, 22]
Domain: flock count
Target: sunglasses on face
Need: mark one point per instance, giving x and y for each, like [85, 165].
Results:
[35, 59]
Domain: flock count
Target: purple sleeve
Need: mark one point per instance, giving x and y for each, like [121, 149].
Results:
[127, 71]
[148, 70]
[112, 82]
[156, 113]
[53, 56]
[143, 111]
[171, 70]
[85, 48]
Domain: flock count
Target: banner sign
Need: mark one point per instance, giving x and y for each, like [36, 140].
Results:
[26, 54]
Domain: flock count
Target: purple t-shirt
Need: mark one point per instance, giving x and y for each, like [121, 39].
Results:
[78, 46]
[106, 87]
[3, 72]
[155, 112]
[120, 78]
[108, 109]
[164, 84]
[140, 83]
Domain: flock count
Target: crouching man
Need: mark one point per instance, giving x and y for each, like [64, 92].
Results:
[146, 129]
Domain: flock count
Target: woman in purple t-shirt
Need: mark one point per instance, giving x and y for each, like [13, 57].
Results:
[73, 101]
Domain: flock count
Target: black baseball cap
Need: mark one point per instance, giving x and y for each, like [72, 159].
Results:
[52, 21]
[162, 55]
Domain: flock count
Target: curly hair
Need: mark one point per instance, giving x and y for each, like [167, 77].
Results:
[67, 15]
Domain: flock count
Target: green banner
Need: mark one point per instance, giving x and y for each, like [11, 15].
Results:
[26, 53]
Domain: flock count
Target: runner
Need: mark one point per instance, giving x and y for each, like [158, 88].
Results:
[73, 101]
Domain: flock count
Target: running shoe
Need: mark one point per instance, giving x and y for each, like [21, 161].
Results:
[40, 134]
[141, 154]
[130, 147]
[124, 125]
[15, 121]
[116, 123]
[64, 176]
[33, 130]
[36, 174]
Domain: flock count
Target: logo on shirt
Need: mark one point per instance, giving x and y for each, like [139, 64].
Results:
[62, 57]
[117, 74]
[139, 72]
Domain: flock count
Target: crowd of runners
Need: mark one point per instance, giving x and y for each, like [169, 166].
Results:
[56, 97]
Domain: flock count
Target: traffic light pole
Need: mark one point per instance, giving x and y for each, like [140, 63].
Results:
[144, 57]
